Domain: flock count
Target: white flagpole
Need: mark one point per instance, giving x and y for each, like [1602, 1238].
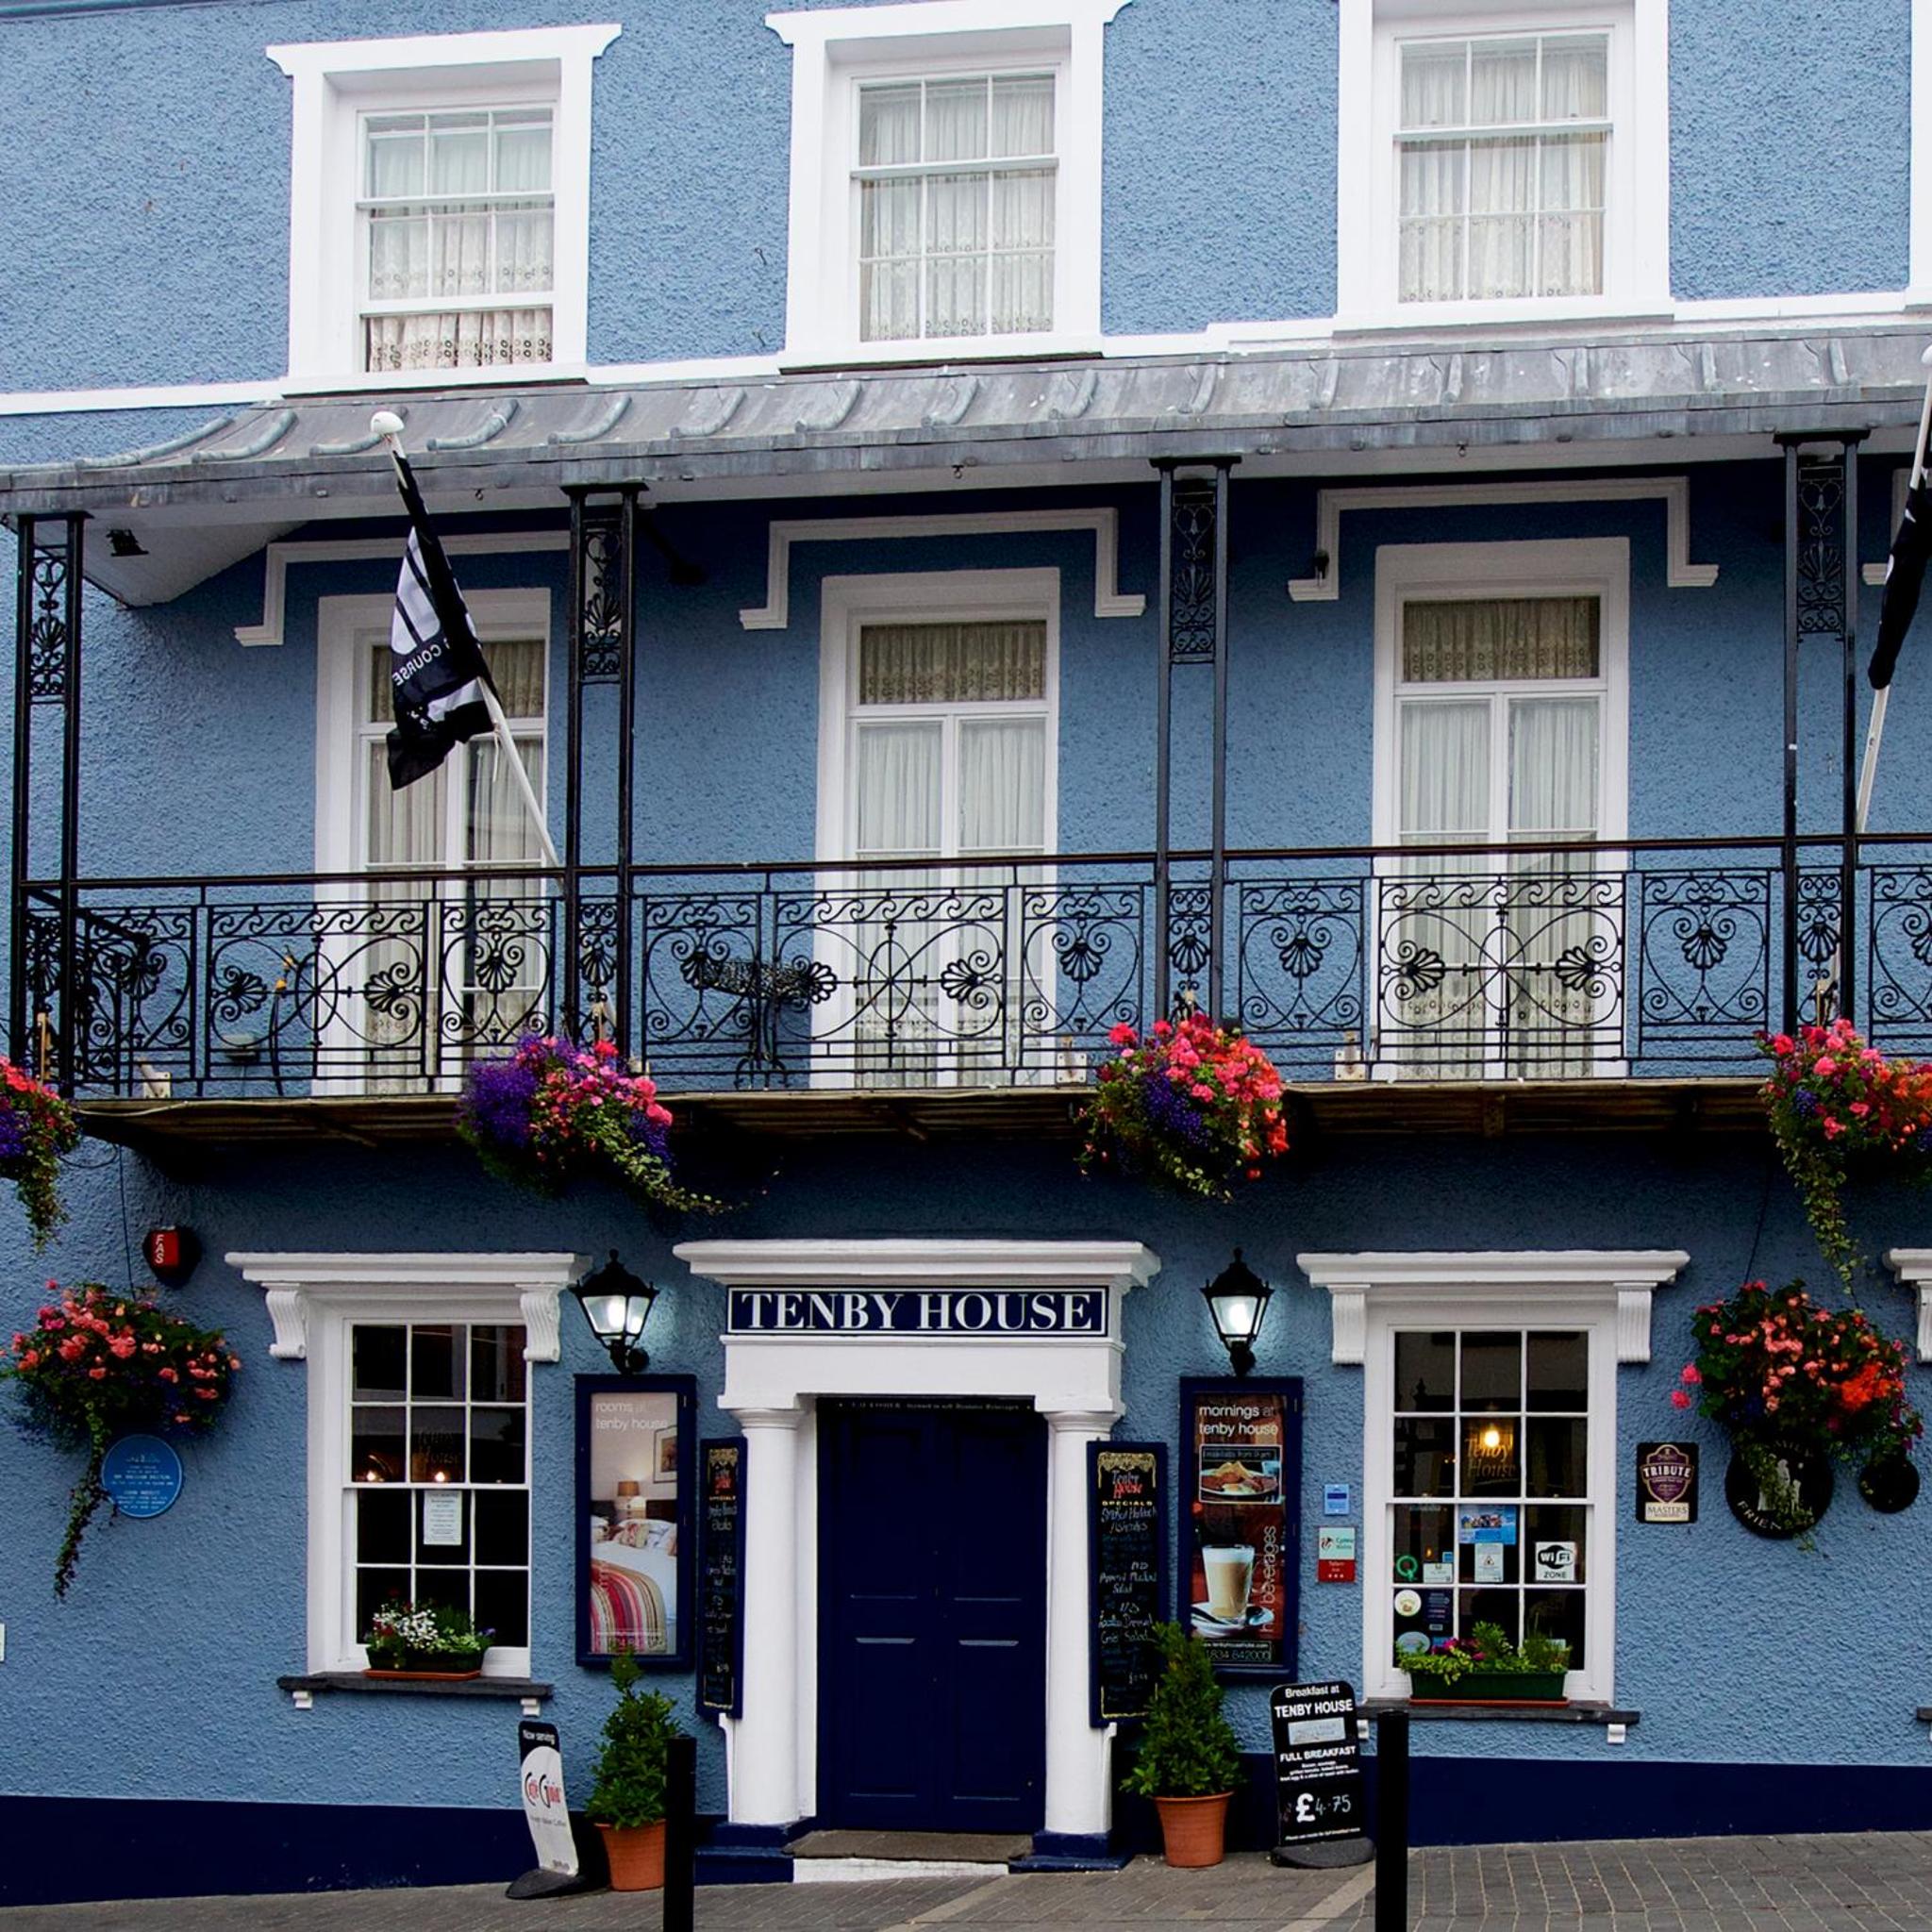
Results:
[1874, 732]
[388, 426]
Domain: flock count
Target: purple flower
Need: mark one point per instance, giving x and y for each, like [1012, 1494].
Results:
[14, 1135]
[1804, 1101]
[497, 1105]
[1173, 1112]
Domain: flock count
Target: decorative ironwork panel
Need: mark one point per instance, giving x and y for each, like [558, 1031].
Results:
[1821, 540]
[1083, 960]
[47, 625]
[1704, 959]
[1898, 956]
[603, 579]
[1192, 616]
[1299, 962]
[700, 960]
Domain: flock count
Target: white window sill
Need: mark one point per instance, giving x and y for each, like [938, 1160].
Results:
[938, 350]
[499, 375]
[1417, 318]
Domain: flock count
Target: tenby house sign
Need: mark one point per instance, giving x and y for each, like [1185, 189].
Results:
[985, 1313]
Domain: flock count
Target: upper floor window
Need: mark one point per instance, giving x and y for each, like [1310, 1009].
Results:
[945, 177]
[439, 205]
[459, 228]
[955, 182]
[1512, 162]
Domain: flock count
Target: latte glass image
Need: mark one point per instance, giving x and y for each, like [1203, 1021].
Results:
[1228, 1569]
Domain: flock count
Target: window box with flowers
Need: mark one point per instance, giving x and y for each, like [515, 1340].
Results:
[1797, 1385]
[98, 1365]
[1192, 1106]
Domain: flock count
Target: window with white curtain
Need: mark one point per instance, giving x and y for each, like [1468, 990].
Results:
[957, 182]
[458, 222]
[1503, 146]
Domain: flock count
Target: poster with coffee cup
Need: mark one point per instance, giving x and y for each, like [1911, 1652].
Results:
[1240, 1495]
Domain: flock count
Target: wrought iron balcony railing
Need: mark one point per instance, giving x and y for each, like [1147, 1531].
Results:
[1573, 960]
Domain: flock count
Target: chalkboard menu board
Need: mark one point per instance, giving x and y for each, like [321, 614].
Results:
[1126, 1528]
[721, 1575]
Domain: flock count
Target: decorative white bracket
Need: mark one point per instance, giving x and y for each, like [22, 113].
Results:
[304, 1700]
[1913, 1267]
[278, 557]
[1616, 1733]
[1680, 573]
[1419, 1280]
[1108, 599]
[374, 1284]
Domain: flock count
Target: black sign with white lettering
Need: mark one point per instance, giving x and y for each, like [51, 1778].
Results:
[1667, 1482]
[1128, 1544]
[721, 1575]
[984, 1312]
[1318, 1764]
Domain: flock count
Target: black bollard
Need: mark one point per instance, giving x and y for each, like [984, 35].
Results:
[1391, 1821]
[681, 1834]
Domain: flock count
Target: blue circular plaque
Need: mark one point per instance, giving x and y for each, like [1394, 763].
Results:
[143, 1475]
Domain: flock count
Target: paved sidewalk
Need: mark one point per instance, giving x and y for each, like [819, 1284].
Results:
[1870, 1883]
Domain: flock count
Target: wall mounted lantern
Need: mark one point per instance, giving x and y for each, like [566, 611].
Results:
[1238, 1299]
[617, 1305]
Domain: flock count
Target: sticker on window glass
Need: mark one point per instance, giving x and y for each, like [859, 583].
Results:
[1485, 1526]
[1555, 1562]
[443, 1518]
[1408, 1604]
[1489, 1563]
[1439, 1572]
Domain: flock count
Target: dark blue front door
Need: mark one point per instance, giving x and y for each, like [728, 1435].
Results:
[932, 1617]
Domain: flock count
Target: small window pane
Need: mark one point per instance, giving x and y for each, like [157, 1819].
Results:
[1491, 1371]
[503, 1605]
[1501, 1606]
[1502, 83]
[888, 125]
[496, 1445]
[430, 1507]
[1559, 1613]
[1492, 640]
[1435, 92]
[1425, 1541]
[382, 1525]
[1023, 115]
[1424, 1372]
[956, 126]
[1489, 1563]
[436, 1446]
[1576, 77]
[952, 663]
[502, 1526]
[1491, 1456]
[436, 1362]
[523, 159]
[379, 1363]
[448, 1587]
[1425, 1459]
[1560, 1372]
[376, 1445]
[1557, 1456]
[374, 1590]
[1555, 1541]
[496, 1363]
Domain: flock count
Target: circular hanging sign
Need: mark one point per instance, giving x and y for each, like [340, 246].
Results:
[1803, 1471]
[142, 1475]
[1889, 1485]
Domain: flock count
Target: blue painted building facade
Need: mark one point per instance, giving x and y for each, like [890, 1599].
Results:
[920, 406]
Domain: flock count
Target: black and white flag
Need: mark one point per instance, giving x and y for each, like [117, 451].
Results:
[1905, 577]
[437, 673]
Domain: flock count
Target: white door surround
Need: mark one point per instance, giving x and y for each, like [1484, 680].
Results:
[772, 1385]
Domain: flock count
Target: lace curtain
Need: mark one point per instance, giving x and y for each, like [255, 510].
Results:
[1486, 640]
[951, 663]
[1516, 212]
[951, 242]
[463, 209]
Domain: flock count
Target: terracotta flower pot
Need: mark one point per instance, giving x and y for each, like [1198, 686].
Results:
[637, 1856]
[1193, 1831]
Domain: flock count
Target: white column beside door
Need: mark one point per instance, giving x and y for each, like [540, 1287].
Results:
[1079, 1802]
[764, 1743]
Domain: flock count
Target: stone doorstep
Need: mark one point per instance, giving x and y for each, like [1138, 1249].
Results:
[962, 1853]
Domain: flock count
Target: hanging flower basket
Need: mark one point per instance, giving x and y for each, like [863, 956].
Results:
[553, 1112]
[98, 1365]
[1794, 1382]
[37, 1127]
[1839, 1108]
[1192, 1106]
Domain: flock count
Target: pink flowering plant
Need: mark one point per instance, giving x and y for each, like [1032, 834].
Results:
[1192, 1105]
[37, 1127]
[99, 1364]
[1775, 1367]
[552, 1111]
[1837, 1107]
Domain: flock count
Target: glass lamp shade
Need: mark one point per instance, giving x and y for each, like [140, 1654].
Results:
[1238, 1301]
[617, 1305]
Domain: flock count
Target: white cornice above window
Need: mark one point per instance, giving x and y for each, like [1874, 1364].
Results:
[524, 1287]
[1459, 1284]
[921, 1263]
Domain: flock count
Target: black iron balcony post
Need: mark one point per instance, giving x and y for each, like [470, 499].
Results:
[570, 990]
[23, 767]
[1787, 859]
[1848, 804]
[1163, 704]
[1217, 888]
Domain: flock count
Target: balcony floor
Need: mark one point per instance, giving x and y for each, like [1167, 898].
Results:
[1484, 1108]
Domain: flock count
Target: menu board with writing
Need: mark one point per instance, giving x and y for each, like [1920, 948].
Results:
[1126, 1540]
[1241, 1521]
[721, 1575]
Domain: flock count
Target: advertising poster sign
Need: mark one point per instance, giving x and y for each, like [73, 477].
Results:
[545, 1807]
[1667, 1482]
[1241, 1521]
[1128, 1544]
[1317, 1772]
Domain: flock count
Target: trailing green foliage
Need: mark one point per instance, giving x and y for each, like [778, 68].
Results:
[627, 1786]
[1188, 1749]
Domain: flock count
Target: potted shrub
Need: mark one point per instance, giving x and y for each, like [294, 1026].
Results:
[1187, 1762]
[424, 1641]
[1486, 1668]
[628, 1794]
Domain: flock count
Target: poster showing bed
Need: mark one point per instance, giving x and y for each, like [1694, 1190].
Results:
[628, 1460]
